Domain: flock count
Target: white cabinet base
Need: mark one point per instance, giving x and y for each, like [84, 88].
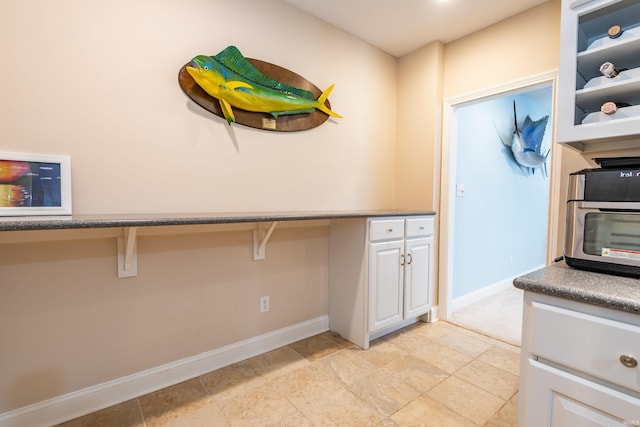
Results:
[380, 275]
[563, 399]
[570, 372]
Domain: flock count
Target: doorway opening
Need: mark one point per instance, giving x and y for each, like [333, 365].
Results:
[496, 216]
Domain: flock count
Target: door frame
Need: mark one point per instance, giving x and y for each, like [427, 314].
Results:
[448, 150]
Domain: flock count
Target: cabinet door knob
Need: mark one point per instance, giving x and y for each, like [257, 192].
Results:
[628, 361]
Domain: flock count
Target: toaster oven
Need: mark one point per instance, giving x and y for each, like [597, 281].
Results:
[602, 230]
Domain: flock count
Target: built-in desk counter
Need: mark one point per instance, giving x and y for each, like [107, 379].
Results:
[126, 227]
[360, 267]
[144, 220]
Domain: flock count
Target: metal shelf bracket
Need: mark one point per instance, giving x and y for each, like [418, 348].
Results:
[127, 253]
[260, 239]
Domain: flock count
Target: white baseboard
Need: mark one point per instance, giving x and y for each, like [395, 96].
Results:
[486, 292]
[75, 404]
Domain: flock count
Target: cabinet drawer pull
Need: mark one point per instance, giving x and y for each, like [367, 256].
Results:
[628, 361]
[421, 227]
[402, 262]
[410, 259]
[389, 230]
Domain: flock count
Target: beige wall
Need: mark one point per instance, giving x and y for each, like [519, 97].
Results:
[67, 322]
[514, 49]
[99, 81]
[420, 82]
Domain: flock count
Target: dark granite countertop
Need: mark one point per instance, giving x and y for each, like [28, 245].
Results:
[141, 220]
[605, 290]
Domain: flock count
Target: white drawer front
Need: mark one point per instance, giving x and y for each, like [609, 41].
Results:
[384, 229]
[587, 343]
[419, 227]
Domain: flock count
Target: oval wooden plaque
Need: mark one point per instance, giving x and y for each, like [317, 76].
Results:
[289, 123]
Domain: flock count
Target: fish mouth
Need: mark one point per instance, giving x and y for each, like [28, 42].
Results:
[197, 64]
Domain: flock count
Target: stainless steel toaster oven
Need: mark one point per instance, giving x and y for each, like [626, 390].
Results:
[602, 230]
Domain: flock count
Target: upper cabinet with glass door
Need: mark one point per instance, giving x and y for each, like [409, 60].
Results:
[599, 78]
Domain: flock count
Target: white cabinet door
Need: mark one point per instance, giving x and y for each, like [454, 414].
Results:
[386, 276]
[417, 277]
[559, 399]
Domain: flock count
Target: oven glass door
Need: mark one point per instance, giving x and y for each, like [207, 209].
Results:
[612, 234]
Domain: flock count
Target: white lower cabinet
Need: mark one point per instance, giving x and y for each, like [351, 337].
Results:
[386, 284]
[567, 400]
[578, 365]
[399, 276]
[417, 277]
[380, 275]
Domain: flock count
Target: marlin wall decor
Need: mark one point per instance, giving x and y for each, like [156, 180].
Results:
[254, 93]
[525, 144]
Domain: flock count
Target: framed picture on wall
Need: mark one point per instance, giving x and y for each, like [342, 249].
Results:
[34, 184]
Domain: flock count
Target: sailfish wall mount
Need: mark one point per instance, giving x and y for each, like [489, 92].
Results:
[525, 144]
[254, 93]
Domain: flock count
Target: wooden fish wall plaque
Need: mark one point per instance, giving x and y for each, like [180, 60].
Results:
[254, 93]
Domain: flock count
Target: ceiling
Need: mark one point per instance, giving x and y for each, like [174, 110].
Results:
[401, 26]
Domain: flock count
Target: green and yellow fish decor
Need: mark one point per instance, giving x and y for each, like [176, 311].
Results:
[254, 93]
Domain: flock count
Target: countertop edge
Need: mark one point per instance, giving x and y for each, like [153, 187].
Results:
[144, 220]
[598, 289]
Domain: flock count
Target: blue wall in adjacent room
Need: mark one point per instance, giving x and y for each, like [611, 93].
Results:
[500, 228]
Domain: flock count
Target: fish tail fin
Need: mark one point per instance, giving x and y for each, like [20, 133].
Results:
[322, 99]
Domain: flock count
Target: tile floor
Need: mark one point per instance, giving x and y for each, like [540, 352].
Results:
[499, 316]
[424, 375]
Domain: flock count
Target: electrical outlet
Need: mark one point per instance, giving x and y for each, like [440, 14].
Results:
[264, 304]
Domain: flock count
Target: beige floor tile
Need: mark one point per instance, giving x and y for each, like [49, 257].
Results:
[481, 336]
[465, 343]
[306, 385]
[434, 330]
[426, 412]
[296, 420]
[494, 380]
[505, 357]
[232, 380]
[260, 405]
[339, 339]
[384, 391]
[507, 416]
[326, 380]
[345, 366]
[278, 362]
[466, 399]
[316, 347]
[420, 374]
[380, 353]
[408, 339]
[125, 414]
[177, 404]
[208, 415]
[342, 408]
[442, 357]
